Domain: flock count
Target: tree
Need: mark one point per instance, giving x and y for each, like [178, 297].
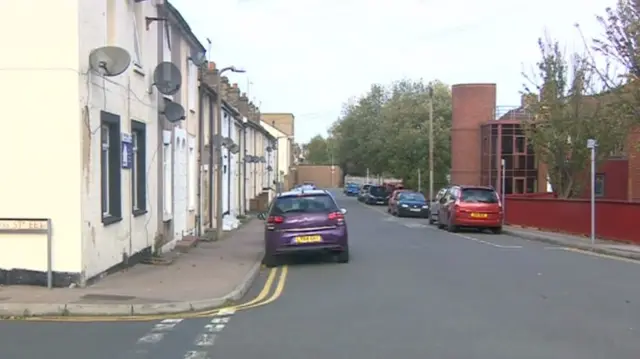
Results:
[317, 151]
[620, 45]
[567, 108]
[386, 132]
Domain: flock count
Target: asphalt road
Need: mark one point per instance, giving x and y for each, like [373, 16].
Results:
[410, 291]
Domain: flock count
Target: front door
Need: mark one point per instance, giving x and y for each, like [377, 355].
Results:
[180, 190]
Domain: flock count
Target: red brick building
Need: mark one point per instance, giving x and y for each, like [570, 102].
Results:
[483, 134]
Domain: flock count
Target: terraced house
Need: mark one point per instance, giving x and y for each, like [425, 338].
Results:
[117, 165]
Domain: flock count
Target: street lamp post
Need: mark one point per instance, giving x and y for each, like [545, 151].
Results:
[592, 145]
[430, 144]
[218, 144]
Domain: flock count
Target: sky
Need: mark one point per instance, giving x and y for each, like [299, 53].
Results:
[309, 57]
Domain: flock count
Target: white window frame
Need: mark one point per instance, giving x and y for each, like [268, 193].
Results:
[192, 91]
[137, 44]
[167, 185]
[192, 174]
[106, 211]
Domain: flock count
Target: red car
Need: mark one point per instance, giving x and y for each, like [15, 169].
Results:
[471, 207]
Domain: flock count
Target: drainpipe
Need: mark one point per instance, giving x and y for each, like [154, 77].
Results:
[244, 171]
[200, 152]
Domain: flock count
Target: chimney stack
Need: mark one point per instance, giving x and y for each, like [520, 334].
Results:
[243, 105]
[233, 95]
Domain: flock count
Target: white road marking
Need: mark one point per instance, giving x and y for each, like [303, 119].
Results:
[195, 355]
[485, 242]
[169, 321]
[220, 320]
[214, 328]
[415, 225]
[205, 340]
[163, 327]
[151, 338]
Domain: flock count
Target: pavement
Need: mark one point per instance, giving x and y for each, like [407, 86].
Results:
[409, 291]
[208, 276]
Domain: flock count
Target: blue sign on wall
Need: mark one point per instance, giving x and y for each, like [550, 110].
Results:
[127, 151]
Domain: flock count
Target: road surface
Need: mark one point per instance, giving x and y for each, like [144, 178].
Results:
[410, 291]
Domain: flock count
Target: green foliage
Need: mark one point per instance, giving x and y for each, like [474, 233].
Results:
[387, 132]
[566, 110]
[319, 151]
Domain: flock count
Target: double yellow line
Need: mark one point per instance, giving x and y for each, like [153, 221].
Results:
[272, 290]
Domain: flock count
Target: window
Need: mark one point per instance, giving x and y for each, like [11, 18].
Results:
[599, 187]
[378, 190]
[138, 168]
[137, 19]
[167, 175]
[112, 19]
[110, 168]
[479, 195]
[316, 203]
[193, 173]
[520, 144]
[192, 91]
[166, 42]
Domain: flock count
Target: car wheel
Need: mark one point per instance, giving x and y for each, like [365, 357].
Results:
[343, 257]
[388, 210]
[496, 230]
[270, 260]
[451, 227]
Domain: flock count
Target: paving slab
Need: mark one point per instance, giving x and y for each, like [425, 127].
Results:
[206, 277]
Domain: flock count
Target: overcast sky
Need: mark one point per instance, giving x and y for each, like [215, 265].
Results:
[309, 56]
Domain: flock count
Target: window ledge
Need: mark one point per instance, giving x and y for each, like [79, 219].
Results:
[166, 217]
[110, 220]
[139, 212]
[137, 68]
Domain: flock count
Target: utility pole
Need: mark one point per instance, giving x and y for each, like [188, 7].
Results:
[430, 143]
[419, 181]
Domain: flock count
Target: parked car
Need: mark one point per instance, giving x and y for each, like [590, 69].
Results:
[363, 192]
[470, 206]
[434, 206]
[351, 189]
[410, 204]
[302, 222]
[377, 195]
[393, 199]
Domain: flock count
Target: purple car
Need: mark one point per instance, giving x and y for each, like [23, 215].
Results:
[303, 221]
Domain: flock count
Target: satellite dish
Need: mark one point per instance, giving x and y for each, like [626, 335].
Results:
[227, 142]
[234, 149]
[217, 140]
[262, 159]
[174, 112]
[167, 78]
[269, 168]
[109, 60]
[269, 149]
[199, 59]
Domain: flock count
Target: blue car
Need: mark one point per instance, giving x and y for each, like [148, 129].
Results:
[409, 204]
[351, 189]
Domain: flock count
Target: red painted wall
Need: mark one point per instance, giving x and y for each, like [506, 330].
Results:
[615, 220]
[616, 180]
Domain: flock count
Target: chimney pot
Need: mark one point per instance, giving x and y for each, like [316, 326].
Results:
[235, 85]
[244, 94]
[212, 65]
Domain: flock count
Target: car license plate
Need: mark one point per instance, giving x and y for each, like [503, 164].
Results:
[479, 215]
[415, 209]
[308, 239]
